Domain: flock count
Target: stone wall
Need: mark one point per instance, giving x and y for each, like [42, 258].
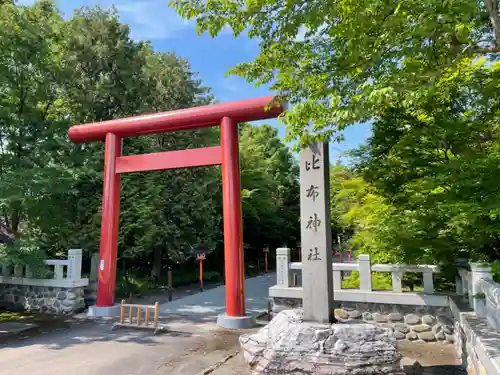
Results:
[43, 299]
[413, 323]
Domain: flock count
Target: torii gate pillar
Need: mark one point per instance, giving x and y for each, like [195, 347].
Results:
[226, 115]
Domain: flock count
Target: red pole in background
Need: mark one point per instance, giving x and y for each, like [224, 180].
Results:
[109, 225]
[233, 232]
[201, 258]
[266, 250]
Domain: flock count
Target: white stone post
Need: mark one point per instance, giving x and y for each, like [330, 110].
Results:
[74, 264]
[316, 236]
[282, 267]
[428, 282]
[365, 273]
[18, 270]
[397, 277]
[5, 270]
[58, 271]
[28, 272]
[479, 271]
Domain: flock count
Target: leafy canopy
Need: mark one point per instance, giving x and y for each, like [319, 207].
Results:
[340, 62]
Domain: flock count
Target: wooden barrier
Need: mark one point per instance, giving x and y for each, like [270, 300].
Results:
[135, 314]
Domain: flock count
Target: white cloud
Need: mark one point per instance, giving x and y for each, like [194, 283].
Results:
[152, 19]
[148, 19]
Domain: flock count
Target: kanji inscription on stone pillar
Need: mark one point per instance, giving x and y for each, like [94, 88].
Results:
[316, 239]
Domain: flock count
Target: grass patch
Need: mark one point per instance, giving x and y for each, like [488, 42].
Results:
[381, 281]
[9, 316]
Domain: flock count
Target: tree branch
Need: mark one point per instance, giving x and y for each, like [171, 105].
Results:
[492, 8]
[485, 49]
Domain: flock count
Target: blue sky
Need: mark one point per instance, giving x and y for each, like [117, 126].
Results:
[212, 58]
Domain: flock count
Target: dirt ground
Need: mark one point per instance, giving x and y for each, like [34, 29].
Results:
[435, 358]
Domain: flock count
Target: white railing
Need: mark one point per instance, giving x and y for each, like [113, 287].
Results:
[483, 294]
[476, 285]
[365, 269]
[288, 282]
[67, 272]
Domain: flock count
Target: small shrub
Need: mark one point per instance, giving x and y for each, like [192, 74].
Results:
[495, 270]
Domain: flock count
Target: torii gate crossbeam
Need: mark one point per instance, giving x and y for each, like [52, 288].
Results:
[227, 115]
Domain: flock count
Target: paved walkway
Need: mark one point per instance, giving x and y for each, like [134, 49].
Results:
[205, 306]
[192, 343]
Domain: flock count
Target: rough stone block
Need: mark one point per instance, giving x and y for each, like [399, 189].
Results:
[440, 336]
[437, 328]
[399, 335]
[395, 317]
[354, 314]
[401, 327]
[426, 336]
[428, 319]
[380, 318]
[288, 345]
[341, 314]
[411, 336]
[367, 316]
[421, 328]
[412, 319]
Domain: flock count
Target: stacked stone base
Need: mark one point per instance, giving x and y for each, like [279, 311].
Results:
[43, 299]
[412, 323]
[288, 345]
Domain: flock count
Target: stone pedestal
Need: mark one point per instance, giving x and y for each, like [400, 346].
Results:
[288, 345]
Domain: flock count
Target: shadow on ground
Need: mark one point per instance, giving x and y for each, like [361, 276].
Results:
[56, 334]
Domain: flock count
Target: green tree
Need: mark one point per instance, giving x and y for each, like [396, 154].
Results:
[341, 62]
[270, 189]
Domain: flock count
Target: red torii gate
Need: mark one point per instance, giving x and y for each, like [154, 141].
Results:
[227, 115]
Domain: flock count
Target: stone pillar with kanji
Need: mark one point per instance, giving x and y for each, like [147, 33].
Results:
[316, 239]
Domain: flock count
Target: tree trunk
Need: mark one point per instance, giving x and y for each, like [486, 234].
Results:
[156, 271]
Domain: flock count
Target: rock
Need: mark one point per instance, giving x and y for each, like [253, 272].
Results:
[398, 335]
[448, 329]
[449, 338]
[428, 319]
[440, 336]
[436, 328]
[287, 345]
[341, 314]
[444, 320]
[412, 319]
[354, 314]
[67, 303]
[401, 327]
[71, 295]
[395, 317]
[367, 316]
[61, 295]
[380, 318]
[411, 336]
[426, 336]
[421, 328]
